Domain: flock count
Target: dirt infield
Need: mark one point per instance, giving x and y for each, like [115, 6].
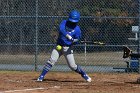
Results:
[68, 82]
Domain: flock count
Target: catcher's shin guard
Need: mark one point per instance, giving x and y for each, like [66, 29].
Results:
[83, 74]
[126, 52]
[46, 68]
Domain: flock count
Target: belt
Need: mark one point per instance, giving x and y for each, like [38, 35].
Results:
[65, 45]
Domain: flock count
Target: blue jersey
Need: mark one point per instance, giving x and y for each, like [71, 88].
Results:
[66, 28]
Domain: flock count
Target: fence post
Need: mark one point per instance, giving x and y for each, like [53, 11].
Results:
[139, 37]
[36, 37]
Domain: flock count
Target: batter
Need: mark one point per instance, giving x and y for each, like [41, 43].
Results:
[69, 35]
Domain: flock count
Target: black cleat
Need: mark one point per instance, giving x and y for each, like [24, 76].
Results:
[126, 52]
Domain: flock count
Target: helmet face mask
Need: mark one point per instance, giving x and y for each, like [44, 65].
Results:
[71, 24]
[74, 16]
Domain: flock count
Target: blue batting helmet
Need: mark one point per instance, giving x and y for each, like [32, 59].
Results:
[74, 16]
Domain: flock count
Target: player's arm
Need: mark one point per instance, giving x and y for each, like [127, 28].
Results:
[77, 35]
[62, 28]
[75, 40]
[64, 32]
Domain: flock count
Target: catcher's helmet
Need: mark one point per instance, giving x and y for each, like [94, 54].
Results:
[74, 16]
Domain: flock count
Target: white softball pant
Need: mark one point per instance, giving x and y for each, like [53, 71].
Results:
[68, 54]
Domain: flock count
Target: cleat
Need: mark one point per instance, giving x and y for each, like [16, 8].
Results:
[126, 52]
[87, 78]
[40, 79]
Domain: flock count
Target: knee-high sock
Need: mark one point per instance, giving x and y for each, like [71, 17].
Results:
[80, 71]
[46, 68]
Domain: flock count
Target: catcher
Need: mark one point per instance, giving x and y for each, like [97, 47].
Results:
[69, 34]
[128, 53]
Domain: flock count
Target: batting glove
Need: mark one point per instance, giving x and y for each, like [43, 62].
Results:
[69, 37]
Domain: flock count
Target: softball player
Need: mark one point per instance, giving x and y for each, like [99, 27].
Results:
[69, 34]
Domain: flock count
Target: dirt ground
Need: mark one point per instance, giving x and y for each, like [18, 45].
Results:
[68, 82]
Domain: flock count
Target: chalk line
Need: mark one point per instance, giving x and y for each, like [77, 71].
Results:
[23, 90]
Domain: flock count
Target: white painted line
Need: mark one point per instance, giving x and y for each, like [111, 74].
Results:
[23, 90]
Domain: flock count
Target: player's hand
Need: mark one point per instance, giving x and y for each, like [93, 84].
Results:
[69, 37]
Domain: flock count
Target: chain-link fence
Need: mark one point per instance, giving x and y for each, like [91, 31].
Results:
[28, 31]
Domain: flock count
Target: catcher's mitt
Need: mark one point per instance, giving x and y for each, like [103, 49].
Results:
[126, 52]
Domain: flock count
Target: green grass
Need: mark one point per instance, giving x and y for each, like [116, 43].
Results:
[100, 58]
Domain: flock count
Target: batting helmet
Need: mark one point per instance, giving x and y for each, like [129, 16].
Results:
[74, 16]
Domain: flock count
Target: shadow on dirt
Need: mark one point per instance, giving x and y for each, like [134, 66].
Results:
[58, 80]
[134, 82]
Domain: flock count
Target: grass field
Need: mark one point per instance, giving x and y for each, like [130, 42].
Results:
[100, 58]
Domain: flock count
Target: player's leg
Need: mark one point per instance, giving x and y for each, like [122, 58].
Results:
[68, 53]
[49, 63]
